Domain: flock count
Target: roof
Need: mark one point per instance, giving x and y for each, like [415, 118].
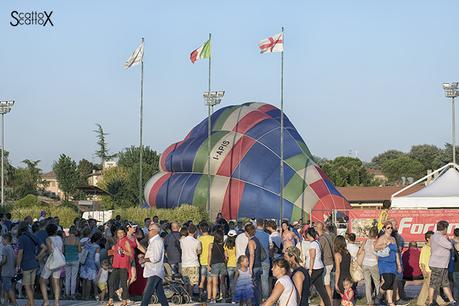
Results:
[93, 190]
[49, 175]
[373, 193]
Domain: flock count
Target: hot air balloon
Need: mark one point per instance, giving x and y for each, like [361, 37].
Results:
[245, 169]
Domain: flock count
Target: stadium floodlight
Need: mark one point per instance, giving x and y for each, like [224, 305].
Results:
[5, 108]
[451, 92]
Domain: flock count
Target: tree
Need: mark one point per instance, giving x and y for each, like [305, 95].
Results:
[67, 175]
[445, 156]
[379, 160]
[403, 166]
[115, 181]
[27, 180]
[347, 171]
[85, 169]
[102, 152]
[425, 154]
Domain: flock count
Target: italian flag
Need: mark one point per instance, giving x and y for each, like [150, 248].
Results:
[202, 52]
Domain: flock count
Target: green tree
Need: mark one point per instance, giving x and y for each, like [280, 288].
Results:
[67, 175]
[102, 153]
[115, 181]
[27, 180]
[426, 154]
[445, 156]
[347, 171]
[380, 159]
[85, 169]
[403, 166]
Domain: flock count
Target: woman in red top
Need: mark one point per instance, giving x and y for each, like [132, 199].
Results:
[122, 254]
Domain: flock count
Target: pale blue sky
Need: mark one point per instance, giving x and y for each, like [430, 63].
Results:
[361, 75]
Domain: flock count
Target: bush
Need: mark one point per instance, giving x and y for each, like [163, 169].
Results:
[28, 201]
[180, 214]
[65, 214]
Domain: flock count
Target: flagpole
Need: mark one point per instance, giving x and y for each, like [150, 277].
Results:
[209, 132]
[282, 134]
[141, 134]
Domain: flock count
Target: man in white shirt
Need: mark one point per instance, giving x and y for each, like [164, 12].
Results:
[191, 248]
[153, 270]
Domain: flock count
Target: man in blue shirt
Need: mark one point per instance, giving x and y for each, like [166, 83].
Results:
[26, 260]
[263, 237]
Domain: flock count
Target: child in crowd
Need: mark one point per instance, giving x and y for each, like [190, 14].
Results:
[102, 278]
[347, 298]
[8, 270]
[243, 293]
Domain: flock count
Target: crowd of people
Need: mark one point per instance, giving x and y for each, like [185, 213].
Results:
[227, 261]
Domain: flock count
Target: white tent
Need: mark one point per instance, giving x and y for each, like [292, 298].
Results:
[442, 192]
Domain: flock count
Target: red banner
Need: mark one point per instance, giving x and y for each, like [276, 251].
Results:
[411, 223]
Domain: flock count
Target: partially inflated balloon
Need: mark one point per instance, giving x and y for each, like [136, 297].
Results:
[245, 169]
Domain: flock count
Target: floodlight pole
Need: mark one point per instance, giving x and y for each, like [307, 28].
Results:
[5, 107]
[451, 91]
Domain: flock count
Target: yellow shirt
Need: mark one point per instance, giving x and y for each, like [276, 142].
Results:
[425, 257]
[231, 253]
[206, 240]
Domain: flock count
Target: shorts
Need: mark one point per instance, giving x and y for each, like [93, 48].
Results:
[204, 271]
[218, 269]
[46, 273]
[28, 277]
[389, 280]
[7, 283]
[328, 278]
[439, 278]
[102, 286]
[191, 275]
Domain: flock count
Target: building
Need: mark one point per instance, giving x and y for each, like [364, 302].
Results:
[378, 175]
[367, 197]
[51, 185]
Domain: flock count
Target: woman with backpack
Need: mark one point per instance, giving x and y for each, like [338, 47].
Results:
[217, 263]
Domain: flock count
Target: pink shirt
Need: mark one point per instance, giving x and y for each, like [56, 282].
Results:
[440, 251]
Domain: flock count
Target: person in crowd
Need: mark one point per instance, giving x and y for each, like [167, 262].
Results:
[326, 244]
[263, 238]
[241, 242]
[284, 291]
[343, 265]
[352, 246]
[191, 248]
[206, 240]
[254, 253]
[90, 266]
[370, 265]
[26, 260]
[154, 267]
[275, 240]
[231, 260]
[216, 265]
[8, 267]
[347, 297]
[399, 283]
[410, 262]
[288, 237]
[102, 279]
[424, 259]
[136, 287]
[315, 266]
[300, 275]
[172, 246]
[243, 291]
[146, 225]
[118, 280]
[54, 243]
[438, 263]
[389, 264]
[72, 248]
[456, 264]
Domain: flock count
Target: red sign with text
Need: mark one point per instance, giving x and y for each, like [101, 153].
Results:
[411, 223]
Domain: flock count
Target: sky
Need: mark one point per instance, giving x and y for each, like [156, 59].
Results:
[360, 76]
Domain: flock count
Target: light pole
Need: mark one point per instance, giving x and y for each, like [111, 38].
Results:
[451, 91]
[211, 98]
[5, 107]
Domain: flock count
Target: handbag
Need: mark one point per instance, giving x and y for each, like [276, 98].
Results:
[356, 271]
[56, 260]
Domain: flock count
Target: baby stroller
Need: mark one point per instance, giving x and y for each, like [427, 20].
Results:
[174, 288]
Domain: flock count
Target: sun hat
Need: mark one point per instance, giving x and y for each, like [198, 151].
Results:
[232, 233]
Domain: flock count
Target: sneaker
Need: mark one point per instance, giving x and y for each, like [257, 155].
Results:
[402, 302]
[452, 303]
[213, 301]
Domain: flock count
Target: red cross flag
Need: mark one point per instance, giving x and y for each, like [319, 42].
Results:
[272, 44]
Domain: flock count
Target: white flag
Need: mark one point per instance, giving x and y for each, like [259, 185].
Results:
[136, 57]
[272, 44]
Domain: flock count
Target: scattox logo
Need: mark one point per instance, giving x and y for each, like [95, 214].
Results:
[31, 18]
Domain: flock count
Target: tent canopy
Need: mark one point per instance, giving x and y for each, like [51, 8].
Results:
[443, 192]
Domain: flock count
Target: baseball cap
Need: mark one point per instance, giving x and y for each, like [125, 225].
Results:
[232, 233]
[294, 251]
